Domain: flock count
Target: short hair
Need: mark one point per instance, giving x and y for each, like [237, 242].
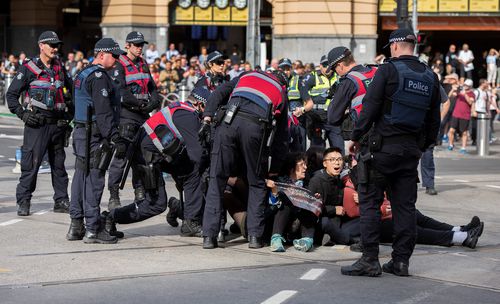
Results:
[406, 45]
[332, 149]
[347, 60]
[291, 160]
[482, 80]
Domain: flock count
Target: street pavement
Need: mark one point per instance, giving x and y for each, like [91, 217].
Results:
[153, 264]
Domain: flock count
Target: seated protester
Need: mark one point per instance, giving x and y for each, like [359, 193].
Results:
[314, 159]
[292, 172]
[328, 184]
[166, 142]
[429, 230]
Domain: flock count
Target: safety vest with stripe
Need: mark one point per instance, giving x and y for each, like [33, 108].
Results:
[321, 88]
[136, 75]
[361, 80]
[262, 88]
[46, 91]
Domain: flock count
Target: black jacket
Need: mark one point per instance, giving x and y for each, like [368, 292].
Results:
[331, 189]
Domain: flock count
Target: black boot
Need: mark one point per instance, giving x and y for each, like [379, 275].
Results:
[365, 266]
[474, 222]
[61, 206]
[101, 237]
[397, 268]
[23, 208]
[210, 242]
[139, 193]
[191, 228]
[255, 242]
[114, 198]
[110, 226]
[76, 230]
[174, 210]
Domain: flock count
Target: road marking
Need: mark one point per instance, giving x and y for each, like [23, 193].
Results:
[1, 156]
[280, 297]
[12, 159]
[4, 270]
[41, 212]
[312, 274]
[438, 177]
[10, 222]
[493, 186]
[2, 135]
[461, 180]
[11, 127]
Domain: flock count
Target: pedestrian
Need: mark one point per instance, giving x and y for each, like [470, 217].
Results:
[401, 108]
[465, 57]
[461, 116]
[96, 135]
[46, 114]
[139, 97]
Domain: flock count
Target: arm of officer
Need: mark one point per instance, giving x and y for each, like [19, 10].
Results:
[219, 97]
[188, 125]
[118, 75]
[19, 84]
[279, 145]
[340, 102]
[308, 82]
[68, 84]
[101, 88]
[373, 102]
[433, 119]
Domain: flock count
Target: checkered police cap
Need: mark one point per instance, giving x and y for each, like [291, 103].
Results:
[402, 35]
[49, 37]
[108, 45]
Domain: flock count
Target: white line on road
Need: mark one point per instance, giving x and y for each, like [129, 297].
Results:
[493, 186]
[2, 135]
[313, 274]
[438, 177]
[10, 222]
[12, 126]
[41, 212]
[461, 181]
[1, 156]
[280, 297]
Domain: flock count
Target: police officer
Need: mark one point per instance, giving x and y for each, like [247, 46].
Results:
[314, 93]
[402, 104]
[139, 98]
[97, 108]
[215, 75]
[296, 129]
[257, 105]
[46, 113]
[349, 91]
[167, 142]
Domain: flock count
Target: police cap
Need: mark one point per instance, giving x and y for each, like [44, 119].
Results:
[49, 37]
[402, 35]
[284, 62]
[336, 55]
[212, 57]
[200, 94]
[323, 61]
[108, 45]
[135, 37]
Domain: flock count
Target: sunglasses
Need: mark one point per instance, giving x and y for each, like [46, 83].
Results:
[138, 44]
[54, 45]
[115, 56]
[219, 62]
[324, 64]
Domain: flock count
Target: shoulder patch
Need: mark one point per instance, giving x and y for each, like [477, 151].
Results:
[20, 75]
[98, 74]
[104, 92]
[116, 73]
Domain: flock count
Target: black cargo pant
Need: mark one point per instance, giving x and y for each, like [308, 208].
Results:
[36, 142]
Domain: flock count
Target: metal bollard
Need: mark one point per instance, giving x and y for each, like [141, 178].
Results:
[483, 134]
[183, 93]
[7, 82]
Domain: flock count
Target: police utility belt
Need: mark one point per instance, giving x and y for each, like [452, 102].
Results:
[323, 107]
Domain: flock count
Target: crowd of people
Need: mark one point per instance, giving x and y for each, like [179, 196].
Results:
[237, 144]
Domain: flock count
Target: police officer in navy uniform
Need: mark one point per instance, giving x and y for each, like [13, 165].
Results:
[314, 93]
[402, 105]
[295, 124]
[215, 75]
[46, 113]
[97, 109]
[139, 98]
[348, 94]
[168, 142]
[256, 105]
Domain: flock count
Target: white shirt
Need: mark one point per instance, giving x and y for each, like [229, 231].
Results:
[151, 56]
[481, 100]
[466, 56]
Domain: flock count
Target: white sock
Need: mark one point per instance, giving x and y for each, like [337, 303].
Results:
[456, 228]
[459, 237]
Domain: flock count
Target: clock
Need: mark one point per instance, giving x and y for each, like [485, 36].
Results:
[240, 4]
[203, 3]
[221, 3]
[184, 3]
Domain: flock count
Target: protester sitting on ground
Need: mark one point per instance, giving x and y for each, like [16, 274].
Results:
[292, 172]
[461, 115]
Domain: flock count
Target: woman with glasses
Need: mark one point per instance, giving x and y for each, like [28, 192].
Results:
[215, 75]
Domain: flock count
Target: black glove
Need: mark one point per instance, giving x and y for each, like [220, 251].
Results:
[30, 119]
[120, 148]
[204, 133]
[146, 108]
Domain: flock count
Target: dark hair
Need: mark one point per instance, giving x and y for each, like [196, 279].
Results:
[330, 150]
[314, 159]
[291, 160]
[348, 59]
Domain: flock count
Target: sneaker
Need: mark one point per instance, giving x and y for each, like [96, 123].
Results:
[450, 148]
[463, 151]
[473, 236]
[445, 138]
[191, 228]
[304, 244]
[474, 222]
[277, 243]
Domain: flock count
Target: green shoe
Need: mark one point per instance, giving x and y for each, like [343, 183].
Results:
[304, 244]
[277, 243]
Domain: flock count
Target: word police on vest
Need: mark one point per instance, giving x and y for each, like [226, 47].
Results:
[417, 86]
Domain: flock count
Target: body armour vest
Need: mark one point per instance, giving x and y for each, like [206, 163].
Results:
[320, 89]
[135, 77]
[262, 88]
[361, 80]
[412, 99]
[46, 91]
[294, 93]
